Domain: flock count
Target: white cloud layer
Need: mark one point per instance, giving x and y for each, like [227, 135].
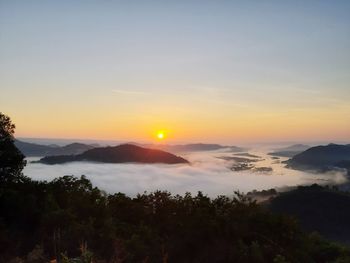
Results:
[206, 173]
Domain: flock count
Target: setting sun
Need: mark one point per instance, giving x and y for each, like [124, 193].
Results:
[160, 135]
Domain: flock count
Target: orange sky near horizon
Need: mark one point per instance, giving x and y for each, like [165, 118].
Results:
[301, 125]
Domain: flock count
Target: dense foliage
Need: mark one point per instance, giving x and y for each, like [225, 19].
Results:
[61, 217]
[11, 159]
[321, 209]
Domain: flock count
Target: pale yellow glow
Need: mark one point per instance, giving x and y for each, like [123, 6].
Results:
[160, 135]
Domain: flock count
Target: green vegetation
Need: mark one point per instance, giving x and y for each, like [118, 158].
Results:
[71, 221]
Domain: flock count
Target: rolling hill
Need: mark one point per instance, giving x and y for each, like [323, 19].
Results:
[322, 158]
[126, 153]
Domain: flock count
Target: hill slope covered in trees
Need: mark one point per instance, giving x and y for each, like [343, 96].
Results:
[322, 158]
[125, 153]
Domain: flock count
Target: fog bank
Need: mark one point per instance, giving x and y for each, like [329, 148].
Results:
[206, 173]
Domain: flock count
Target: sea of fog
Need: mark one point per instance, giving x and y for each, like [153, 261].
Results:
[206, 173]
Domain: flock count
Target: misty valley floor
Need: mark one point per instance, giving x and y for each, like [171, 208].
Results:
[209, 172]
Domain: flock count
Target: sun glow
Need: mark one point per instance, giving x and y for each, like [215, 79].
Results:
[160, 135]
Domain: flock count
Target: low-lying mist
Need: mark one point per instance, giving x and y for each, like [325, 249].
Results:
[206, 173]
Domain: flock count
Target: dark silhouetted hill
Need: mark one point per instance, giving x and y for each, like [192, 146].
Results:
[33, 149]
[344, 164]
[322, 157]
[290, 151]
[126, 153]
[318, 209]
[74, 148]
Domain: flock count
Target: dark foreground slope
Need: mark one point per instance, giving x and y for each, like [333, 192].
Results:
[322, 158]
[68, 217]
[125, 153]
[322, 209]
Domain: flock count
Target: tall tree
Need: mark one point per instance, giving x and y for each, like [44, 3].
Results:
[11, 159]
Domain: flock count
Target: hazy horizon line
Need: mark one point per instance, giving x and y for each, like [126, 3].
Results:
[57, 140]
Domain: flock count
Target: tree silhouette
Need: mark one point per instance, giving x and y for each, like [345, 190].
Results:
[11, 159]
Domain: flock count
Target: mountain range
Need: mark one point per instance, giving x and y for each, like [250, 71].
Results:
[194, 147]
[290, 151]
[33, 149]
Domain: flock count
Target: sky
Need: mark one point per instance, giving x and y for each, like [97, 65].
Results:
[208, 71]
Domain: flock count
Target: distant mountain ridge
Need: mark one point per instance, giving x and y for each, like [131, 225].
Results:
[322, 157]
[126, 153]
[290, 151]
[194, 147]
[33, 149]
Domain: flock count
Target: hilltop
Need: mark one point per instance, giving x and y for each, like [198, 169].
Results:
[126, 153]
[322, 158]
